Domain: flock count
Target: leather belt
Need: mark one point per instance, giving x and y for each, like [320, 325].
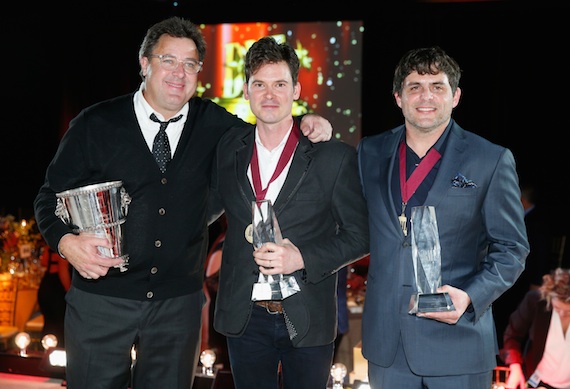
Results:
[271, 306]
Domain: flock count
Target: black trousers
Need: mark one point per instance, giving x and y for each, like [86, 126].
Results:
[100, 332]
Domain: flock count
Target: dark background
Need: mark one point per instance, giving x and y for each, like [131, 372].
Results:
[60, 57]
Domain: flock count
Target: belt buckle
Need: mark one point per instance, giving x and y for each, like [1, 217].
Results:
[272, 307]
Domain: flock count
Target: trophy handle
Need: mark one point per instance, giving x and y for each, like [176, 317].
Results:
[125, 201]
[61, 211]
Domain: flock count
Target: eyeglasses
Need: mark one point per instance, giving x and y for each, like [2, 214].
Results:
[170, 63]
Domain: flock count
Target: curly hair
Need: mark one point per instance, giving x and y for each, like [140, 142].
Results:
[556, 285]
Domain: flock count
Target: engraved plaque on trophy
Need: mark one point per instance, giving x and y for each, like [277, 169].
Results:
[266, 229]
[426, 256]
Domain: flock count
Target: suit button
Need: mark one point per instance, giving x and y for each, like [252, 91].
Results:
[154, 270]
[161, 211]
[157, 243]
[163, 181]
[149, 295]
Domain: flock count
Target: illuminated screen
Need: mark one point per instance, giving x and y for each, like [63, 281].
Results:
[331, 69]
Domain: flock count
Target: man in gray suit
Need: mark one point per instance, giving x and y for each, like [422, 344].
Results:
[473, 186]
[322, 215]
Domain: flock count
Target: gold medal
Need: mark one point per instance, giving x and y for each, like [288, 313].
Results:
[249, 233]
[403, 219]
[403, 223]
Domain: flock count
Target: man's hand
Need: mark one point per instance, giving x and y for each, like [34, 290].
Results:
[82, 253]
[461, 301]
[283, 258]
[316, 128]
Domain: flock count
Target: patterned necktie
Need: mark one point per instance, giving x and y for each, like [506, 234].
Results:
[161, 146]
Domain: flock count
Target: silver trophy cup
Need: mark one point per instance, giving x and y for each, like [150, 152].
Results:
[99, 209]
[266, 229]
[426, 255]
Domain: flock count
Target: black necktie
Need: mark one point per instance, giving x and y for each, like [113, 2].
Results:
[161, 146]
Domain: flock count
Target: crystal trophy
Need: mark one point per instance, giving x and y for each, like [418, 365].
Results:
[266, 229]
[426, 256]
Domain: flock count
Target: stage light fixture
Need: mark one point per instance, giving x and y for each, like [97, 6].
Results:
[49, 341]
[57, 357]
[338, 373]
[23, 340]
[207, 358]
[54, 361]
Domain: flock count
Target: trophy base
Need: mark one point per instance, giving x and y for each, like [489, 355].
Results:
[430, 302]
[266, 291]
[270, 289]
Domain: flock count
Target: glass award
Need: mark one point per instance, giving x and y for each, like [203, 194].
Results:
[266, 229]
[426, 256]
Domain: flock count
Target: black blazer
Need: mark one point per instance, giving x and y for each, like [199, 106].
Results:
[320, 209]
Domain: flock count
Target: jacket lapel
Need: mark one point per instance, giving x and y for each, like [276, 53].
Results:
[450, 166]
[243, 153]
[387, 158]
[299, 166]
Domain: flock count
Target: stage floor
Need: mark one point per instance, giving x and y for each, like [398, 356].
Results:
[18, 381]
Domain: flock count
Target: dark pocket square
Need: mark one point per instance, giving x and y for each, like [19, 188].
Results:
[460, 181]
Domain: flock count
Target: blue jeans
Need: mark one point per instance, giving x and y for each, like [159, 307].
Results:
[255, 356]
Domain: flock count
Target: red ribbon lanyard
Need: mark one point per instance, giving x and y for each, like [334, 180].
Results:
[408, 187]
[284, 159]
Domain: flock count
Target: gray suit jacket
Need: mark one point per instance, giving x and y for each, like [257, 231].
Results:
[483, 249]
[320, 208]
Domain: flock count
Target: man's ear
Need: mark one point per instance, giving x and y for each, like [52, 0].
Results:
[144, 63]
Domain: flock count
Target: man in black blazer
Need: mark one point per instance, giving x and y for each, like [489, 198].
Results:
[156, 303]
[321, 212]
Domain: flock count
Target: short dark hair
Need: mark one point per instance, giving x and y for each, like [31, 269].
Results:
[268, 50]
[427, 60]
[176, 27]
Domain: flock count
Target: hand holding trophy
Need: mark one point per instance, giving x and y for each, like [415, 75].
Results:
[266, 229]
[426, 253]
